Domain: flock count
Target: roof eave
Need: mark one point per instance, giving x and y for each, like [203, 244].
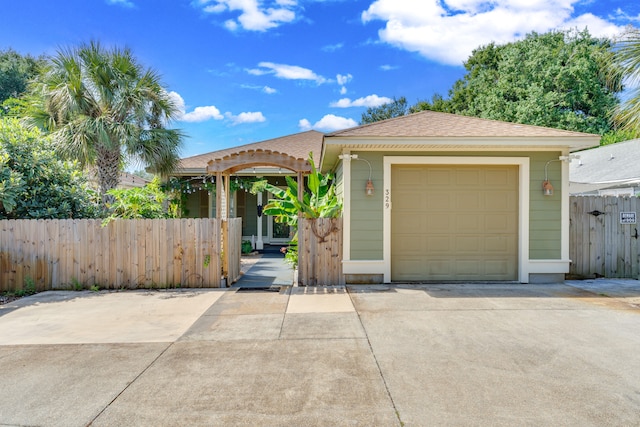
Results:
[333, 145]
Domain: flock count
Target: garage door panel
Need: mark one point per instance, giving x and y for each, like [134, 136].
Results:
[439, 267]
[408, 177]
[468, 267]
[435, 177]
[411, 200]
[501, 269]
[500, 223]
[465, 244]
[434, 222]
[435, 244]
[457, 223]
[498, 245]
[467, 177]
[497, 178]
[500, 201]
[439, 201]
[466, 223]
[468, 201]
[412, 244]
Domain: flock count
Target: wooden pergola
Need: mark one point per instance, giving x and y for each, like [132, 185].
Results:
[225, 166]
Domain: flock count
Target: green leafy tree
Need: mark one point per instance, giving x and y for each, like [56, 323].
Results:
[103, 107]
[396, 108]
[139, 202]
[556, 79]
[34, 182]
[626, 68]
[15, 72]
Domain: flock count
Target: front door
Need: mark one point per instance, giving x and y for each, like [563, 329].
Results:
[279, 232]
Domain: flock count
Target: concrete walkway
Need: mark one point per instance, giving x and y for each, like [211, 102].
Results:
[490, 354]
[270, 270]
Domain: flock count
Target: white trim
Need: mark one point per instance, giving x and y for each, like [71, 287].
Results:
[564, 210]
[523, 201]
[363, 267]
[549, 265]
[346, 206]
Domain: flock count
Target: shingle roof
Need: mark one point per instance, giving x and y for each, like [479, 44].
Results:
[426, 124]
[297, 145]
[607, 164]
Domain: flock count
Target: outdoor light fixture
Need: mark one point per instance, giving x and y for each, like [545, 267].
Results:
[368, 188]
[547, 188]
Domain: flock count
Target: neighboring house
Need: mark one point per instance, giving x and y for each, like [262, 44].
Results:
[454, 198]
[127, 180]
[610, 170]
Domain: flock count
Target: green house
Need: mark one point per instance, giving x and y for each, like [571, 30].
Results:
[428, 197]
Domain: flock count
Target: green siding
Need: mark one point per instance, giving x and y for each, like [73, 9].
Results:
[367, 213]
[545, 211]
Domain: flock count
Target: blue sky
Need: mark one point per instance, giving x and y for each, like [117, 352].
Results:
[249, 70]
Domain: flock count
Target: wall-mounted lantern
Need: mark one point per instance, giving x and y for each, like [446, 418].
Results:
[368, 188]
[547, 188]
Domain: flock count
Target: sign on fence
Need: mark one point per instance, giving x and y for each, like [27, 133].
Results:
[627, 217]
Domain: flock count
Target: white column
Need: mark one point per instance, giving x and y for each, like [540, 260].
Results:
[346, 205]
[259, 242]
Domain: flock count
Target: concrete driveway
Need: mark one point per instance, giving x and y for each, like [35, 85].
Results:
[369, 356]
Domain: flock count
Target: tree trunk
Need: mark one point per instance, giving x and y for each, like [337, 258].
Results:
[108, 165]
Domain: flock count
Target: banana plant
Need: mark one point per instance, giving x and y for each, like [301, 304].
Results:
[319, 198]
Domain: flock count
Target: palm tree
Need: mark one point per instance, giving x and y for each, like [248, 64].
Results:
[626, 60]
[102, 108]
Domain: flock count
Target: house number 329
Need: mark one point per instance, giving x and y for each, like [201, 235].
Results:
[387, 198]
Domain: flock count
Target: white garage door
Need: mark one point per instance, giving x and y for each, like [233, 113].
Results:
[451, 222]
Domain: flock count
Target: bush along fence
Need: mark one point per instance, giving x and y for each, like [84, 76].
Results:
[603, 238]
[142, 253]
[320, 252]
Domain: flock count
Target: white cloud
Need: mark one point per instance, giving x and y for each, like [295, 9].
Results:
[343, 79]
[332, 47]
[248, 117]
[328, 123]
[621, 15]
[202, 114]
[124, 3]
[368, 101]
[287, 72]
[265, 89]
[211, 112]
[387, 67]
[447, 31]
[252, 15]
[199, 114]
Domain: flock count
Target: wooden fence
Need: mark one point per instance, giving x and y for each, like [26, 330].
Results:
[68, 254]
[231, 248]
[320, 252]
[600, 245]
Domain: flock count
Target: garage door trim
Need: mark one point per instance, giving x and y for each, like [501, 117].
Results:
[523, 200]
